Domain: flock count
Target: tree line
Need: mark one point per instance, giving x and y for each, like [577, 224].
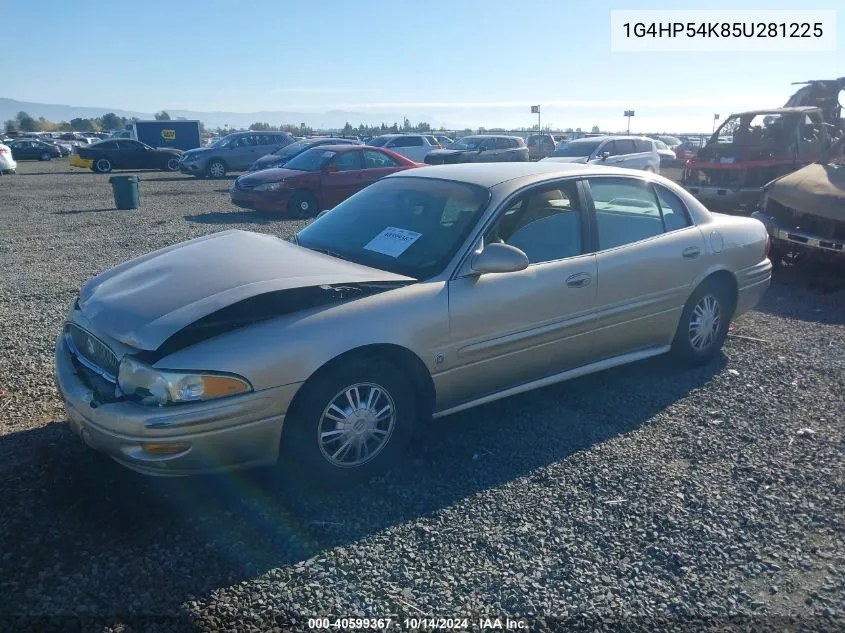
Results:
[24, 122]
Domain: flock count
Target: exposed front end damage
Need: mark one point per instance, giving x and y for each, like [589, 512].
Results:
[751, 149]
[804, 212]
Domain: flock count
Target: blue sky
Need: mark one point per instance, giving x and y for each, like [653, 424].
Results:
[466, 62]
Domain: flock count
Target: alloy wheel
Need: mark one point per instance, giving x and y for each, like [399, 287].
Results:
[705, 321]
[356, 425]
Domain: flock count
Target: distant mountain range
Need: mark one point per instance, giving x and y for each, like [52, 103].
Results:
[9, 108]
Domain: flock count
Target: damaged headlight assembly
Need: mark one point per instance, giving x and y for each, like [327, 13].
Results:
[154, 387]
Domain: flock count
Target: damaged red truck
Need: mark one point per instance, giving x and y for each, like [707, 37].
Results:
[750, 149]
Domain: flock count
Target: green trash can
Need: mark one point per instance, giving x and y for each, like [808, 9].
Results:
[125, 190]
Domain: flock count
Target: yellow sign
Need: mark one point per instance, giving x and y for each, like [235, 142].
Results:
[168, 135]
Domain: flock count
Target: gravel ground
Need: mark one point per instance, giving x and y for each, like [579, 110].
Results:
[639, 499]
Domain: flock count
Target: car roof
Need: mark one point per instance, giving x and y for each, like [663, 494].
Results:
[491, 174]
[339, 147]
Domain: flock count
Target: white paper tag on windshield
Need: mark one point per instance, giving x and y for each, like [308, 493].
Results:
[392, 241]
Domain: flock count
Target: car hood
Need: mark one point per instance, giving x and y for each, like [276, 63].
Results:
[817, 190]
[270, 159]
[145, 301]
[197, 150]
[450, 152]
[568, 159]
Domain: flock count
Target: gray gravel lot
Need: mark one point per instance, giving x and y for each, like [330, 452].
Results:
[646, 496]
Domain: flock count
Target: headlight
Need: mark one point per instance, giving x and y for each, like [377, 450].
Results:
[154, 387]
[268, 186]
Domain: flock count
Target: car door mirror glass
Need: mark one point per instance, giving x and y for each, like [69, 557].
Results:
[604, 155]
[499, 258]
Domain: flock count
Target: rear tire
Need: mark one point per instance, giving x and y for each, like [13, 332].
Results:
[102, 165]
[216, 169]
[303, 204]
[350, 422]
[704, 324]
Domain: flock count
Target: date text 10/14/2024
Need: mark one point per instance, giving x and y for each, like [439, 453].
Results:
[417, 624]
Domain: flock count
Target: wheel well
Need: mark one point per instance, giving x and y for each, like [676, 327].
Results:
[216, 160]
[403, 358]
[728, 281]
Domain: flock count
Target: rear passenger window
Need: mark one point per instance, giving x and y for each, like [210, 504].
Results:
[675, 214]
[502, 143]
[622, 147]
[626, 211]
[642, 145]
[408, 141]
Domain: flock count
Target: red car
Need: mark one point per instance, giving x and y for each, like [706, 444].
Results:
[318, 178]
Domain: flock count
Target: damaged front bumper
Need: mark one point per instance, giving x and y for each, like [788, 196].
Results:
[230, 433]
[787, 238]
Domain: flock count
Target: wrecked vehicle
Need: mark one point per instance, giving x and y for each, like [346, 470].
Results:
[752, 148]
[804, 212]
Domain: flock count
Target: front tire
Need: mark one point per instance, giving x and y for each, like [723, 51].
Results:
[216, 169]
[352, 421]
[172, 164]
[704, 324]
[303, 204]
[103, 165]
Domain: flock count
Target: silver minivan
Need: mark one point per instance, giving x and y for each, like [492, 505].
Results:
[234, 152]
[633, 152]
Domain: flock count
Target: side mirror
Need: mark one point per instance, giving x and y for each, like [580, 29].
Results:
[481, 149]
[499, 258]
[322, 213]
[604, 155]
[330, 169]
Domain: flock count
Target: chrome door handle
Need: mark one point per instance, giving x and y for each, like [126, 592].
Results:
[691, 253]
[578, 280]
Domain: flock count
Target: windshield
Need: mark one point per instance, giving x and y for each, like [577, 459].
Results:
[404, 225]
[222, 141]
[671, 141]
[575, 149]
[378, 141]
[293, 149]
[468, 142]
[313, 159]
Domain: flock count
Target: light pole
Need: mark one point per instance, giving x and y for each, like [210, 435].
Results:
[715, 118]
[536, 110]
[629, 114]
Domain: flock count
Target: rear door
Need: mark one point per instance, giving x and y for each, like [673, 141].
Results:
[134, 155]
[648, 255]
[343, 176]
[621, 151]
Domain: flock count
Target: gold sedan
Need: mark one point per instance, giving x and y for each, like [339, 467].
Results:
[429, 292]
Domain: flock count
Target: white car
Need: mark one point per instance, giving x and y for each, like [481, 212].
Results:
[7, 163]
[413, 146]
[632, 152]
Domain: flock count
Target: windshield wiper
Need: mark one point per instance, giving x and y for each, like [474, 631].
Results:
[326, 251]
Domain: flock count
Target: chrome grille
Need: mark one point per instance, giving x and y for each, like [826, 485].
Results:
[92, 352]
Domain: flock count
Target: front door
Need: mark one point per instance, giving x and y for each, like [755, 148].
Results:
[244, 153]
[508, 329]
[342, 177]
[648, 254]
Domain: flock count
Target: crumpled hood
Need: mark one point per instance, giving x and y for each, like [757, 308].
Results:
[196, 151]
[568, 159]
[144, 301]
[817, 189]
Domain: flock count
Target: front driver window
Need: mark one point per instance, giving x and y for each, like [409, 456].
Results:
[545, 224]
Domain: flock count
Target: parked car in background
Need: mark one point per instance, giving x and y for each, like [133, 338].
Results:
[540, 146]
[430, 292]
[318, 178]
[284, 154]
[8, 165]
[804, 212]
[443, 140]
[670, 141]
[631, 152]
[668, 158]
[413, 146]
[481, 149]
[233, 152]
[123, 153]
[34, 149]
[689, 148]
